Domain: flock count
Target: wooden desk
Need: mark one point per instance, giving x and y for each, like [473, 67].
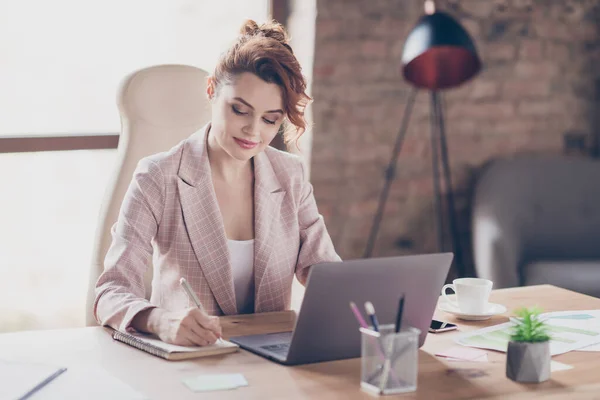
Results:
[438, 379]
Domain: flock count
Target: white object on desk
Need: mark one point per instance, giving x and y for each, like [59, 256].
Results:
[207, 383]
[580, 319]
[556, 366]
[563, 338]
[472, 294]
[20, 379]
[169, 351]
[594, 347]
[89, 383]
[493, 309]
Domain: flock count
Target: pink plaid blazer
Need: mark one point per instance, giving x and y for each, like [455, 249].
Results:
[170, 218]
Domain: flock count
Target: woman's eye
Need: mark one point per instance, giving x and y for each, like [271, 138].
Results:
[268, 121]
[238, 112]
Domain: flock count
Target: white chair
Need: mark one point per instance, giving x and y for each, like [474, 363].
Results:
[159, 106]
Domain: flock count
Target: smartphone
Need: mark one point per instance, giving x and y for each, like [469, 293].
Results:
[439, 326]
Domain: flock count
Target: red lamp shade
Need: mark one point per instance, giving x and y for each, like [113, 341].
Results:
[439, 53]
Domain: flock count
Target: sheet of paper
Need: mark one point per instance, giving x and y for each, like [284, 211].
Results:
[206, 383]
[483, 358]
[570, 330]
[90, 383]
[594, 347]
[19, 378]
[584, 319]
[556, 366]
[463, 353]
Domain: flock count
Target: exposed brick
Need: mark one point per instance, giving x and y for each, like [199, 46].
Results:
[541, 108]
[328, 28]
[373, 71]
[395, 8]
[484, 89]
[523, 4]
[541, 65]
[553, 30]
[531, 50]
[347, 10]
[538, 70]
[324, 71]
[557, 52]
[481, 110]
[472, 26]
[500, 51]
[364, 207]
[520, 89]
[373, 49]
[477, 8]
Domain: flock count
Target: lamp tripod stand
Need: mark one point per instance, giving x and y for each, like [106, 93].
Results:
[438, 54]
[439, 157]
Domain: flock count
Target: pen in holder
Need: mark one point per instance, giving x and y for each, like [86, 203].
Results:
[394, 371]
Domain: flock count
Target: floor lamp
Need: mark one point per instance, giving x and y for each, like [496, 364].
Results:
[438, 54]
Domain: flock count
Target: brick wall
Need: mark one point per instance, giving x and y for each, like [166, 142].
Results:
[540, 80]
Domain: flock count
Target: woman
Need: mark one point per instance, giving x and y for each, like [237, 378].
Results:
[222, 209]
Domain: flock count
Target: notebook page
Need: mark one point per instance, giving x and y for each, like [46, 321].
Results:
[18, 378]
[89, 383]
[185, 349]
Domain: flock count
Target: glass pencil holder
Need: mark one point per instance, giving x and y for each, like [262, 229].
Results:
[389, 360]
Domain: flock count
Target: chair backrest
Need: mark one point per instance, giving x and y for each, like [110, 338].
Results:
[159, 106]
[537, 208]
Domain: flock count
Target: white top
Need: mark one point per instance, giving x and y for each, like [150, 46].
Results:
[242, 268]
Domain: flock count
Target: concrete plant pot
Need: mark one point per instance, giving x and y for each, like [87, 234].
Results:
[528, 362]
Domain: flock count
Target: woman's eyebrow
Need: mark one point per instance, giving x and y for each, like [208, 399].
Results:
[280, 111]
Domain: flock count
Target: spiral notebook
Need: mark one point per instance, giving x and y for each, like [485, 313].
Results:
[169, 351]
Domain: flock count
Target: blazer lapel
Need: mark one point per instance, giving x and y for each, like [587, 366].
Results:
[204, 222]
[268, 195]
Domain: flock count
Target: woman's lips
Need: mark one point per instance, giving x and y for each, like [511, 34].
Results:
[245, 144]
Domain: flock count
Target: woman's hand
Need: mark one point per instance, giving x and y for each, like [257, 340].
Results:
[190, 327]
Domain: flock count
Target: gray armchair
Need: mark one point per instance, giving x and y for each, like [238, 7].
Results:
[537, 220]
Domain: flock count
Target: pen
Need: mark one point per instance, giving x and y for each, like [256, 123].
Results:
[188, 289]
[358, 315]
[371, 312]
[388, 361]
[43, 383]
[399, 315]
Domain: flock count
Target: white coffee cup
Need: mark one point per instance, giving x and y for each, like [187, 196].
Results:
[472, 294]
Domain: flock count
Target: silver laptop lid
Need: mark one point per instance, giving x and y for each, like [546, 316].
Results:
[326, 329]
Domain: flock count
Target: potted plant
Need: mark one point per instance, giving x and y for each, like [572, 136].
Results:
[528, 354]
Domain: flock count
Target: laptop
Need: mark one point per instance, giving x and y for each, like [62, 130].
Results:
[327, 330]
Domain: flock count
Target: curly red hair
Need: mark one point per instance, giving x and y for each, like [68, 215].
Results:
[264, 51]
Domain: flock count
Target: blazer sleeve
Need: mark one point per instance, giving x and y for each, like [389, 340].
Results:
[120, 290]
[315, 243]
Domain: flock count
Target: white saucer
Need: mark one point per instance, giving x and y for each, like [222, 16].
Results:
[493, 309]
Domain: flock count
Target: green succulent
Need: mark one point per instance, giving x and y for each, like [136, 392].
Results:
[529, 328]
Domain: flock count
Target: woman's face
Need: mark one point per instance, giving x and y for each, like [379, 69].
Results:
[246, 115]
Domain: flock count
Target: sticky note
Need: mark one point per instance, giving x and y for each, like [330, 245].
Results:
[206, 383]
[556, 366]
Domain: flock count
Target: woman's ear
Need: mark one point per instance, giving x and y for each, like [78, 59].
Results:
[210, 87]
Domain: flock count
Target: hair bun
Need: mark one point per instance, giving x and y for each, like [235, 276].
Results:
[272, 30]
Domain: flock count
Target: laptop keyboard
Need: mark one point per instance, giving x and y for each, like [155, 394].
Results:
[279, 348]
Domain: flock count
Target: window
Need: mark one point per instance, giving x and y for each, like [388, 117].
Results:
[62, 62]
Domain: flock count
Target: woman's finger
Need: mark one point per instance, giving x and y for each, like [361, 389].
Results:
[195, 340]
[207, 322]
[204, 334]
